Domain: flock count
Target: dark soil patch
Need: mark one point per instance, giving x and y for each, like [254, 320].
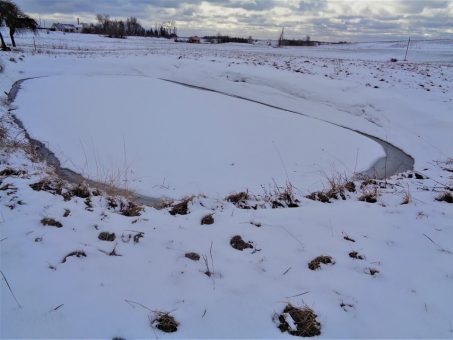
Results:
[304, 320]
[106, 236]
[208, 219]
[51, 222]
[445, 197]
[238, 243]
[192, 256]
[355, 255]
[77, 253]
[66, 213]
[165, 322]
[315, 264]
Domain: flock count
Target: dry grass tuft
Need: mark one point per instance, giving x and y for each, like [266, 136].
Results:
[130, 209]
[181, 208]
[315, 264]
[304, 320]
[355, 255]
[106, 236]
[208, 219]
[445, 197]
[238, 243]
[47, 221]
[165, 322]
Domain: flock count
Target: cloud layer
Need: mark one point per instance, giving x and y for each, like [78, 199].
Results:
[321, 19]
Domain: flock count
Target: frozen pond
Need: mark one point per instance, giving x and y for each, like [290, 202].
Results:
[160, 138]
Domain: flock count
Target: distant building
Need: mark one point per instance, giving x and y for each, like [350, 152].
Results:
[194, 40]
[65, 28]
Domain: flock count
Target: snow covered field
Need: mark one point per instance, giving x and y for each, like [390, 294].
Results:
[278, 123]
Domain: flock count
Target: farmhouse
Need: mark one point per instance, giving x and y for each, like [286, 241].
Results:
[64, 27]
[194, 40]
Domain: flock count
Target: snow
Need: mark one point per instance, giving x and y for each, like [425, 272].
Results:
[101, 296]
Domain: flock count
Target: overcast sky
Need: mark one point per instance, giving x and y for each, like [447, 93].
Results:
[352, 20]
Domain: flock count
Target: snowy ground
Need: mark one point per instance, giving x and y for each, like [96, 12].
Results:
[100, 106]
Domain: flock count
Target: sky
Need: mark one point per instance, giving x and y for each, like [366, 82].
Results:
[325, 20]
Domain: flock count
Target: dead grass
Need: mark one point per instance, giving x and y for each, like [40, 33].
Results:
[165, 322]
[337, 187]
[10, 172]
[47, 221]
[80, 190]
[130, 209]
[369, 195]
[315, 264]
[303, 318]
[181, 208]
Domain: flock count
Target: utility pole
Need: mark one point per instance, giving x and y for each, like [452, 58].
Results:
[407, 49]
[280, 39]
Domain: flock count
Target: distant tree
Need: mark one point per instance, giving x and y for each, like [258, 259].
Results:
[15, 19]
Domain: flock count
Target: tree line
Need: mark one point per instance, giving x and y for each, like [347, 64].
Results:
[114, 28]
[16, 20]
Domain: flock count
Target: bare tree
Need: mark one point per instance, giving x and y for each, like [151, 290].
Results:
[15, 19]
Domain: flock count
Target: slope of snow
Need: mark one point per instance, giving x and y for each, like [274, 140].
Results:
[407, 247]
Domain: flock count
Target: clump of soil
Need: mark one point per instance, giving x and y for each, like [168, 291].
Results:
[192, 256]
[130, 209]
[66, 213]
[11, 172]
[81, 191]
[238, 243]
[47, 221]
[181, 208]
[106, 236]
[304, 319]
[355, 255]
[77, 253]
[445, 197]
[165, 322]
[316, 262]
[208, 219]
[372, 271]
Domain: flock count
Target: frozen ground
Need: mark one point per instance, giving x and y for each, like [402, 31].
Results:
[397, 284]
